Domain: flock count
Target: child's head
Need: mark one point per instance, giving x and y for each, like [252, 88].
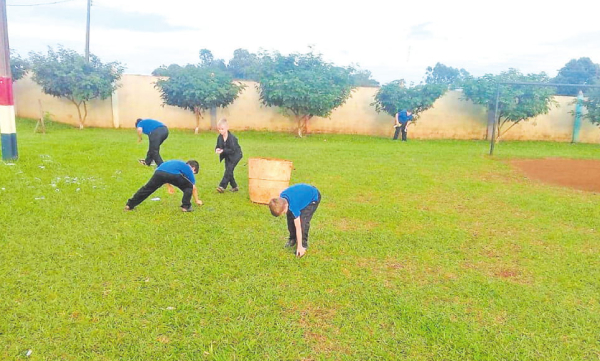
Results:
[137, 122]
[278, 206]
[195, 166]
[222, 126]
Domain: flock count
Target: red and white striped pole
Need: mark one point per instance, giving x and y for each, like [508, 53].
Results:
[8, 128]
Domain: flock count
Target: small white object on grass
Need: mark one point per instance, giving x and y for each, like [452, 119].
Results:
[28, 353]
[9, 163]
[42, 167]
[155, 199]
[38, 198]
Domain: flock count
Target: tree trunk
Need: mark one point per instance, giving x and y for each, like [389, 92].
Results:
[77, 105]
[198, 115]
[302, 126]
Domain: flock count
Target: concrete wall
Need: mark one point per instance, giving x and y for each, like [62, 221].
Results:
[450, 118]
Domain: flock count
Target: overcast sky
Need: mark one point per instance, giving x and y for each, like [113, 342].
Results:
[393, 39]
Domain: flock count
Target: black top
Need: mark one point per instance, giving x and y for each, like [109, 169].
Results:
[231, 147]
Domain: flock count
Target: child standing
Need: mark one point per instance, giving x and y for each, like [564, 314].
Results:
[229, 149]
[299, 202]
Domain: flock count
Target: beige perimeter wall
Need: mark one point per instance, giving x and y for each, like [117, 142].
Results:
[450, 118]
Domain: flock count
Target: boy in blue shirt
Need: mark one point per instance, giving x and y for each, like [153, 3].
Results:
[299, 202]
[402, 119]
[157, 132]
[174, 172]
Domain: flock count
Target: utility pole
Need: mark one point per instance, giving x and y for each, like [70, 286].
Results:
[8, 130]
[87, 33]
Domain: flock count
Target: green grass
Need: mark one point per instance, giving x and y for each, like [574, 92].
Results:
[428, 250]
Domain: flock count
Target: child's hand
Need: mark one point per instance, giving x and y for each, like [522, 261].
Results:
[218, 150]
[199, 202]
[300, 251]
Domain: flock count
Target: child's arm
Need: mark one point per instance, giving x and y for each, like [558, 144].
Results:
[195, 194]
[139, 132]
[300, 251]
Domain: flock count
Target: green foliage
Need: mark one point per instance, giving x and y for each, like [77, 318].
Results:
[207, 60]
[447, 75]
[166, 71]
[362, 77]
[592, 105]
[517, 103]
[18, 66]
[244, 65]
[198, 88]
[394, 96]
[66, 74]
[577, 71]
[303, 85]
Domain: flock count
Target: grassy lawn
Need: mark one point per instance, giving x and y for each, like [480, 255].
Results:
[426, 250]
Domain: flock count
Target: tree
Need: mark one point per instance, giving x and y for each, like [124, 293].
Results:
[517, 103]
[447, 75]
[207, 60]
[166, 71]
[303, 85]
[18, 66]
[65, 73]
[577, 71]
[244, 65]
[362, 77]
[394, 96]
[592, 104]
[199, 88]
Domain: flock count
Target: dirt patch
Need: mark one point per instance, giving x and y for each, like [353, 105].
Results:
[582, 174]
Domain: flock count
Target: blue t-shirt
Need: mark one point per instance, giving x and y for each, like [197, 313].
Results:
[403, 116]
[178, 167]
[148, 125]
[299, 196]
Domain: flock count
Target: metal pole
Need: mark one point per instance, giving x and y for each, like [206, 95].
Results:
[577, 122]
[496, 119]
[87, 33]
[8, 129]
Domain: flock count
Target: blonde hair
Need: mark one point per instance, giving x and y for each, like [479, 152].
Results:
[222, 122]
[277, 206]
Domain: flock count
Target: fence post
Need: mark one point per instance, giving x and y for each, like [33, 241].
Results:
[577, 122]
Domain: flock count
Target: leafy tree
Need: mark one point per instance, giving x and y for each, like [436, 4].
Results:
[244, 65]
[517, 103]
[394, 96]
[18, 66]
[65, 73]
[166, 71]
[207, 60]
[362, 77]
[303, 85]
[577, 71]
[199, 88]
[447, 75]
[592, 104]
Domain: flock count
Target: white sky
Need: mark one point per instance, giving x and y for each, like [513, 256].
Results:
[392, 39]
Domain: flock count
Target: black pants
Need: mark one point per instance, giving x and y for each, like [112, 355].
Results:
[305, 217]
[158, 179]
[155, 139]
[228, 177]
[401, 128]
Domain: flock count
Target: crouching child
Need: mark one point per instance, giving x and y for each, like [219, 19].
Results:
[299, 202]
[174, 172]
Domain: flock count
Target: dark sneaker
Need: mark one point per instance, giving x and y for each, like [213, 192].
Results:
[235, 189]
[291, 243]
[220, 189]
[127, 208]
[187, 209]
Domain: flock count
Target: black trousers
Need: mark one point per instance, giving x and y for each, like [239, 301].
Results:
[155, 139]
[305, 217]
[158, 179]
[401, 128]
[228, 177]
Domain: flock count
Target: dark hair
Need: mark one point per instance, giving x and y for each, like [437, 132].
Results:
[194, 165]
[137, 122]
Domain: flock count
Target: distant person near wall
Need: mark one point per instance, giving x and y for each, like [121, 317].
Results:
[402, 118]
